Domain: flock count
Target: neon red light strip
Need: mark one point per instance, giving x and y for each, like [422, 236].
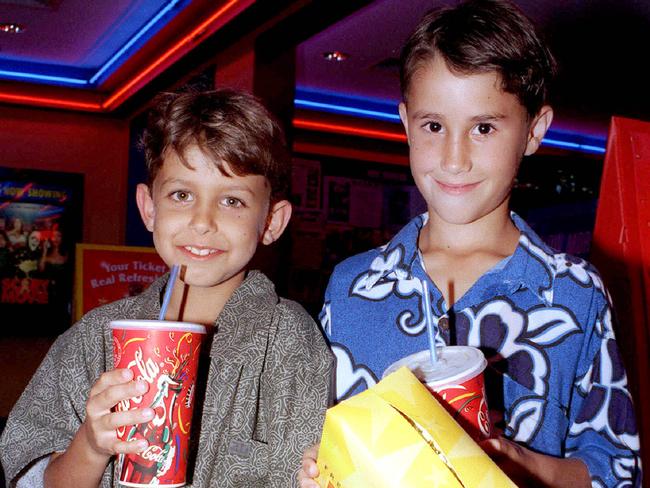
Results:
[186, 40]
[349, 129]
[49, 102]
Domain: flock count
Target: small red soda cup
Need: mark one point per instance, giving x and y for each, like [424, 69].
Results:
[165, 355]
[456, 380]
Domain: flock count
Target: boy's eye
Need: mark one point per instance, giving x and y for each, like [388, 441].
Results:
[484, 129]
[433, 126]
[232, 202]
[181, 196]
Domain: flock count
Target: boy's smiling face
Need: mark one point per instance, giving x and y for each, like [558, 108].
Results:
[210, 222]
[466, 140]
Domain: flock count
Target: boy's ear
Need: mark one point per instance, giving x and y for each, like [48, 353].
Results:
[277, 221]
[145, 205]
[538, 128]
[404, 118]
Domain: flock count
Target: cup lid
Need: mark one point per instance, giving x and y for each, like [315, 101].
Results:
[456, 364]
[158, 325]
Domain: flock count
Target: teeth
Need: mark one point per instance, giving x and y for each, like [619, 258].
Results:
[200, 252]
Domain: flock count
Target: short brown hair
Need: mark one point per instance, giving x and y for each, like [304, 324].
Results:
[479, 36]
[230, 126]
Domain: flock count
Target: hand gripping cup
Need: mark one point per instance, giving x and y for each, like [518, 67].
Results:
[456, 381]
[165, 355]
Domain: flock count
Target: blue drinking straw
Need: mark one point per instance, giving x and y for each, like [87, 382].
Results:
[430, 326]
[168, 291]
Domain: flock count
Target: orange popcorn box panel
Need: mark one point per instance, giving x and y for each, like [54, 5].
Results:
[397, 434]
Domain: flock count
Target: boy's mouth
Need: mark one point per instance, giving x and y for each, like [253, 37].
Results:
[456, 189]
[200, 251]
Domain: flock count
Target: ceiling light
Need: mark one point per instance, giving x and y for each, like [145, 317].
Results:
[335, 56]
[11, 28]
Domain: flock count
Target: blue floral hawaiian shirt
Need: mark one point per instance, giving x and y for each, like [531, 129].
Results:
[543, 321]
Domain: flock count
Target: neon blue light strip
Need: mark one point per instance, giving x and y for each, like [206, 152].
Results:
[133, 40]
[377, 114]
[37, 77]
[573, 145]
[105, 66]
[299, 102]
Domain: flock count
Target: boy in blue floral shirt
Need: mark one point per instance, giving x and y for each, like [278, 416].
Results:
[474, 81]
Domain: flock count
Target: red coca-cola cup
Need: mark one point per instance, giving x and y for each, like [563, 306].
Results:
[456, 380]
[166, 356]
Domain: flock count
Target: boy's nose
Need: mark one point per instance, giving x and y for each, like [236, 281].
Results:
[203, 220]
[456, 157]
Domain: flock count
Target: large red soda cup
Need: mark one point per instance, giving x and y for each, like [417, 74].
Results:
[456, 380]
[166, 356]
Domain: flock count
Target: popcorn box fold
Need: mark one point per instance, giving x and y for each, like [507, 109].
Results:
[396, 434]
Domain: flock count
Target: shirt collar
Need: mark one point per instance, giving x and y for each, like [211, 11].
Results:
[535, 260]
[256, 289]
[532, 265]
[397, 257]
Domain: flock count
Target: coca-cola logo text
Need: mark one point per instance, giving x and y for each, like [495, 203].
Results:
[148, 369]
[154, 453]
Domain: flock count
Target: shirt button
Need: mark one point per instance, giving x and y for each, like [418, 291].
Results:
[443, 323]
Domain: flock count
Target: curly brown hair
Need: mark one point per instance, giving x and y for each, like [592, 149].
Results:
[229, 126]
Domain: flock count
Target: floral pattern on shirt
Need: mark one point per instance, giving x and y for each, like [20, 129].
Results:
[543, 321]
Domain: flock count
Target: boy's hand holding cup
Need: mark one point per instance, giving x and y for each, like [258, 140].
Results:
[99, 425]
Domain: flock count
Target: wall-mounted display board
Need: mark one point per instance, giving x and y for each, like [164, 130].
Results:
[40, 222]
[108, 273]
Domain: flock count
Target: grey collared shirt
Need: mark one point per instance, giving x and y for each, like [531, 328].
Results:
[268, 376]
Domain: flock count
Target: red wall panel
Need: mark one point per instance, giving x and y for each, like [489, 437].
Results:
[96, 146]
[621, 251]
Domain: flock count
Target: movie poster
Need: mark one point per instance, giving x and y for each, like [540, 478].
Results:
[40, 222]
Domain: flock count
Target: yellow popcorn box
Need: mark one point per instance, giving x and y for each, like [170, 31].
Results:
[396, 434]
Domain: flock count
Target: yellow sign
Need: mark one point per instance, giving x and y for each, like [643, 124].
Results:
[396, 434]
